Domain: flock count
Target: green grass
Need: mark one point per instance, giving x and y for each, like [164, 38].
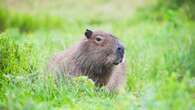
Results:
[160, 56]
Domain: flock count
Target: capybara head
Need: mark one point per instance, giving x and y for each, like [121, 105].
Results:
[102, 48]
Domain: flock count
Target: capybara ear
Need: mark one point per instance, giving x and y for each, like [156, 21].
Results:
[88, 33]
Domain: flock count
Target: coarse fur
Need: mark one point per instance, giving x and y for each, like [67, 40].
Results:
[96, 57]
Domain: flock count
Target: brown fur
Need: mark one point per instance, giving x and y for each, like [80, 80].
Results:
[93, 59]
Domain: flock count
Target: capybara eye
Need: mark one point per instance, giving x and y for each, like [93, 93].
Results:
[98, 39]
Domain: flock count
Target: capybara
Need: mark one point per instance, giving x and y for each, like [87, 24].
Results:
[99, 56]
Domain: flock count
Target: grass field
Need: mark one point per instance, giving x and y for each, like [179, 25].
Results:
[160, 54]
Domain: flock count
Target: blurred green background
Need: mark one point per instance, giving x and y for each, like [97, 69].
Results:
[159, 37]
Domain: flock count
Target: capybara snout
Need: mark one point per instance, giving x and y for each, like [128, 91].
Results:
[119, 53]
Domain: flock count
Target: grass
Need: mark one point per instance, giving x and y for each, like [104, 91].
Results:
[160, 50]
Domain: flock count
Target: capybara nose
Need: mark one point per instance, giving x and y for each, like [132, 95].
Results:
[119, 53]
[120, 50]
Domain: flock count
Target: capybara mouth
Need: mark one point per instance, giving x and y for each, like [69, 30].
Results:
[115, 63]
[118, 61]
[119, 58]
